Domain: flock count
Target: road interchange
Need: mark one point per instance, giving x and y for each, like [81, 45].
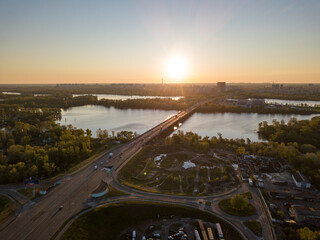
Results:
[41, 219]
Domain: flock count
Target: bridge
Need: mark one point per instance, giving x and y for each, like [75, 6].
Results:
[41, 218]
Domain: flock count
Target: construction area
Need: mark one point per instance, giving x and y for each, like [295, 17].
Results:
[183, 171]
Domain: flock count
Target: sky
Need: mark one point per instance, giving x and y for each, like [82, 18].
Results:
[80, 41]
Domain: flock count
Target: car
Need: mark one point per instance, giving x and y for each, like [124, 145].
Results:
[95, 167]
[157, 235]
[60, 207]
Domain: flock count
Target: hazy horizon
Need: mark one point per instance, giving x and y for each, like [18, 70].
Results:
[131, 42]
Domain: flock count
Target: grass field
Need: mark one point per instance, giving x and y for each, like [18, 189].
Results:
[255, 227]
[7, 207]
[108, 222]
[226, 206]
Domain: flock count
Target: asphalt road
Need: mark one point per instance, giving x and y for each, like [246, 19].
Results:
[42, 218]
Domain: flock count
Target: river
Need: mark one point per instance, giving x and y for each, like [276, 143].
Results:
[126, 97]
[94, 117]
[230, 125]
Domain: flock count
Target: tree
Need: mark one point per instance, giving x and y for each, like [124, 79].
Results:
[238, 202]
[306, 234]
[241, 151]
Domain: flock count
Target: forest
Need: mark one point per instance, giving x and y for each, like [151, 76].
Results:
[301, 132]
[32, 144]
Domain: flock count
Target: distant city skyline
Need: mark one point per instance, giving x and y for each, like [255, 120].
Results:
[81, 41]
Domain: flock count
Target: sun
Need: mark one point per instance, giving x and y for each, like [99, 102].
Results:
[176, 68]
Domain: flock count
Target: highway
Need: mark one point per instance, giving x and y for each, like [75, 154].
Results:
[40, 219]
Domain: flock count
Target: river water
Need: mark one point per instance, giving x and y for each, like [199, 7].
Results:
[126, 97]
[94, 117]
[230, 125]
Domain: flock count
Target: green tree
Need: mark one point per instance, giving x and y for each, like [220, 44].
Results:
[241, 151]
[306, 234]
[238, 202]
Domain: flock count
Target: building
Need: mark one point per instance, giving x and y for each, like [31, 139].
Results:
[300, 180]
[304, 214]
[221, 86]
[277, 86]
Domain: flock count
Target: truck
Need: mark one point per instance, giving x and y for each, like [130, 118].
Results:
[250, 182]
[219, 229]
[196, 234]
[134, 234]
[210, 233]
[203, 231]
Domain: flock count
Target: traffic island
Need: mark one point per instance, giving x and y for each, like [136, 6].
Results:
[254, 226]
[237, 206]
[101, 190]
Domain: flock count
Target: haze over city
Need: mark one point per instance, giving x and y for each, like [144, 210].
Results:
[140, 41]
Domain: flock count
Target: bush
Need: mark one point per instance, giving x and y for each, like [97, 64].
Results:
[255, 227]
